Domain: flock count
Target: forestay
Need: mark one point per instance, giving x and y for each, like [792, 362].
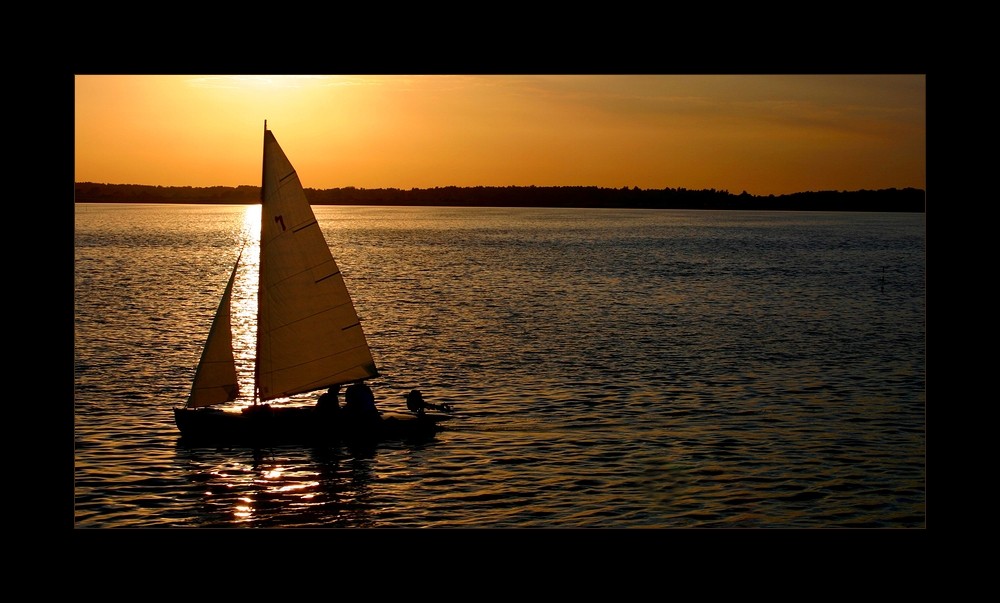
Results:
[308, 333]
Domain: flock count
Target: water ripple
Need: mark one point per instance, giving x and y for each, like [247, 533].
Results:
[609, 368]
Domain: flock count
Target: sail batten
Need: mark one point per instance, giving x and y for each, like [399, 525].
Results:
[302, 344]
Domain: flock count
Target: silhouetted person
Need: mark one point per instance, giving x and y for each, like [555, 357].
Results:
[328, 413]
[360, 403]
[329, 403]
[415, 403]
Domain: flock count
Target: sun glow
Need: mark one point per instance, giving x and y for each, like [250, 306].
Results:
[763, 134]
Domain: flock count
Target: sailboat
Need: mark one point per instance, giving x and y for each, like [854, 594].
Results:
[309, 336]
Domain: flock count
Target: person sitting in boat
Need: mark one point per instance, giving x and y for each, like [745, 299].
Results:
[415, 403]
[329, 403]
[359, 402]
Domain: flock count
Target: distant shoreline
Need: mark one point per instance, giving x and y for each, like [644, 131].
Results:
[909, 200]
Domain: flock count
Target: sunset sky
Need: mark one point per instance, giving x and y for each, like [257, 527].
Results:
[763, 134]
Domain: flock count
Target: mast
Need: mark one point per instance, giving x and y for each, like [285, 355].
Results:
[256, 354]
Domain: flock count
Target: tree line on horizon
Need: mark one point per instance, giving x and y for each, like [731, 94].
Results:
[889, 200]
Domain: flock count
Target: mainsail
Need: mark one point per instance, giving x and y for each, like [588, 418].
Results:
[215, 380]
[308, 333]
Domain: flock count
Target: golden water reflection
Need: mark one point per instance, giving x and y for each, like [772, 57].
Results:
[267, 488]
[244, 304]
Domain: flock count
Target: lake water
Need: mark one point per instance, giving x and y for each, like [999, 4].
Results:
[608, 368]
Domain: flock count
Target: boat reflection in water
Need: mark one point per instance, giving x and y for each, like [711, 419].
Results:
[292, 486]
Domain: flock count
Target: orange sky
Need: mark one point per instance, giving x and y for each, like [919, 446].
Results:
[762, 134]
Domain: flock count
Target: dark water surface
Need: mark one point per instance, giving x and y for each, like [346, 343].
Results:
[609, 368]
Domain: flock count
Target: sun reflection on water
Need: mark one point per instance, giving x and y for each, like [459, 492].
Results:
[269, 490]
[244, 304]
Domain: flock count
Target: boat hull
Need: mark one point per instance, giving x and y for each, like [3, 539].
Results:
[266, 425]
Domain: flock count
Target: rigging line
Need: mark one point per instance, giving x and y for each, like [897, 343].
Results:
[301, 272]
[313, 315]
[321, 359]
